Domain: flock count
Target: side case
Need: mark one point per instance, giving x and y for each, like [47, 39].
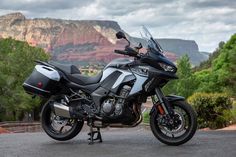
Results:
[43, 81]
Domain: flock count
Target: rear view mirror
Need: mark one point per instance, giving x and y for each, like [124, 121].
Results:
[120, 35]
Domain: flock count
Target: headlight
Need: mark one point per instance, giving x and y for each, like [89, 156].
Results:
[167, 67]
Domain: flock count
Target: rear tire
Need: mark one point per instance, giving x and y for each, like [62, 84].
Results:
[46, 121]
[187, 135]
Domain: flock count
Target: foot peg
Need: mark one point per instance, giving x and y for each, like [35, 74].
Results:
[92, 134]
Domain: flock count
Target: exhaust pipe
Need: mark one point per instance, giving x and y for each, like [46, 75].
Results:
[61, 110]
[66, 111]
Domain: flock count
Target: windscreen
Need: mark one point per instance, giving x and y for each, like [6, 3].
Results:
[151, 43]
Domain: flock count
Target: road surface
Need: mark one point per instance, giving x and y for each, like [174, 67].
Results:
[133, 142]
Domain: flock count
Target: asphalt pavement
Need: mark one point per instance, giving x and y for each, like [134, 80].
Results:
[132, 142]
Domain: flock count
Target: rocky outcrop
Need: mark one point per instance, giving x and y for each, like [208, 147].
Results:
[67, 40]
[80, 42]
[181, 47]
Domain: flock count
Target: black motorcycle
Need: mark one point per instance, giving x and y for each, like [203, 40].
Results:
[113, 98]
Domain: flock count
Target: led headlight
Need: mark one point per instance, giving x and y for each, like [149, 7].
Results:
[167, 67]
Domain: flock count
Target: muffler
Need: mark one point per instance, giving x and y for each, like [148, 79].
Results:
[61, 110]
[67, 111]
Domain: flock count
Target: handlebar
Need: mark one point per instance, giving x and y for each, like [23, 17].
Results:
[131, 51]
[128, 51]
[121, 52]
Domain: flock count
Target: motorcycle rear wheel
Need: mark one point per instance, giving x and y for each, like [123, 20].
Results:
[174, 137]
[59, 128]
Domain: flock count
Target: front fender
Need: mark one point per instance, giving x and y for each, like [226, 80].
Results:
[170, 98]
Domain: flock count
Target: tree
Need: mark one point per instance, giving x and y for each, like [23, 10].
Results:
[208, 63]
[186, 84]
[220, 74]
[16, 63]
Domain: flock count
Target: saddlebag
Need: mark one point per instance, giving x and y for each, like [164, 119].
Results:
[43, 81]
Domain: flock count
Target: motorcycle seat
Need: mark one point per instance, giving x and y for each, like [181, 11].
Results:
[68, 68]
[74, 74]
[85, 80]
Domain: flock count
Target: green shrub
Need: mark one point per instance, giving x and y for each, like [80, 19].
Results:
[146, 117]
[233, 112]
[213, 109]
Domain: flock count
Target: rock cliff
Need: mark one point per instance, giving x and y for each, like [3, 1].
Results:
[80, 41]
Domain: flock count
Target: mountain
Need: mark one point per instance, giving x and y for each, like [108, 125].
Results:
[180, 47]
[83, 42]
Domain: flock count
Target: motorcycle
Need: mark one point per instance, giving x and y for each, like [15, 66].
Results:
[114, 97]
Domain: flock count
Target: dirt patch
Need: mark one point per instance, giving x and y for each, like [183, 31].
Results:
[2, 131]
[231, 127]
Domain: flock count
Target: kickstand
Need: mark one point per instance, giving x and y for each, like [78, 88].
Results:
[92, 133]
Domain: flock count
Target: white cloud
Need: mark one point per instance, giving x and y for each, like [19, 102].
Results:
[206, 22]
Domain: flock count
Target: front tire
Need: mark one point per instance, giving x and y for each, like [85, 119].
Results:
[174, 137]
[68, 128]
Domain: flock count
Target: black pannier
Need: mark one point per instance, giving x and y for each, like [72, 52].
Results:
[44, 81]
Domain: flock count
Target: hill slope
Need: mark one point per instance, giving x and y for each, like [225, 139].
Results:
[218, 74]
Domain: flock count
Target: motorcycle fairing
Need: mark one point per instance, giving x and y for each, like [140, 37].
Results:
[118, 63]
[110, 82]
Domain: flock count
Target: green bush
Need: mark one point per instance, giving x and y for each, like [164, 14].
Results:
[213, 109]
[146, 117]
[233, 112]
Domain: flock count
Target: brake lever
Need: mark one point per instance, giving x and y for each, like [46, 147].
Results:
[139, 47]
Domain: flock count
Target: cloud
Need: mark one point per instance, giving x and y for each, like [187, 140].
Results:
[213, 3]
[123, 7]
[206, 21]
[42, 5]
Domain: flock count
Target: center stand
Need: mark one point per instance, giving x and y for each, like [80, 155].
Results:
[92, 133]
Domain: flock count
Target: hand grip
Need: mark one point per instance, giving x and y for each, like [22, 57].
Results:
[121, 52]
[131, 51]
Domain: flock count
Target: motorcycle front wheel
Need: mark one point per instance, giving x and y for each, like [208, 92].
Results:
[184, 130]
[59, 128]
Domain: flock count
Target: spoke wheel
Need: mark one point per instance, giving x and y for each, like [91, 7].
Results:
[185, 125]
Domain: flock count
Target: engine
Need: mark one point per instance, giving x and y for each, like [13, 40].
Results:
[112, 107]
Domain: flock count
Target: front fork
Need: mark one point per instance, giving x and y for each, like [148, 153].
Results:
[160, 99]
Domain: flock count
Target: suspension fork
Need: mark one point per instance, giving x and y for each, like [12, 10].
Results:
[162, 101]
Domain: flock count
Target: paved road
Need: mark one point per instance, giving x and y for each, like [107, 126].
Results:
[135, 142]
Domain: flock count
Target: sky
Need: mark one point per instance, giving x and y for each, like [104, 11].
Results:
[206, 21]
